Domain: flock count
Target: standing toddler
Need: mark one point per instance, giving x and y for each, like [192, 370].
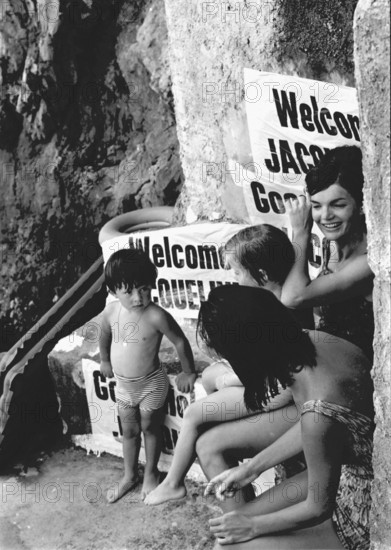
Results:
[132, 331]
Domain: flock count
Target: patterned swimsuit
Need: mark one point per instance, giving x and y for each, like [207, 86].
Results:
[353, 501]
[351, 319]
[146, 392]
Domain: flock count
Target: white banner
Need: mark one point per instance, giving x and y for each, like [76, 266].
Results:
[292, 122]
[188, 262]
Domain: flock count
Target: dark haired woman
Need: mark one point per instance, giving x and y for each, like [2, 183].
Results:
[326, 506]
[343, 291]
[260, 255]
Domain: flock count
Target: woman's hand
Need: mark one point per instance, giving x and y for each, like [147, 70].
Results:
[299, 212]
[228, 482]
[233, 527]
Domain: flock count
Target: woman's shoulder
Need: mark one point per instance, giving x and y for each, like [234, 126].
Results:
[331, 349]
[342, 370]
[358, 260]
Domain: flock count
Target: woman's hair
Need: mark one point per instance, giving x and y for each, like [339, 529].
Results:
[259, 337]
[342, 165]
[128, 268]
[263, 247]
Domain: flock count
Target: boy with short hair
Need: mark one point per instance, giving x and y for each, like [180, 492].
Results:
[132, 331]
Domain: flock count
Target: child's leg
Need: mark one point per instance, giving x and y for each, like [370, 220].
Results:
[130, 423]
[151, 426]
[211, 373]
[221, 406]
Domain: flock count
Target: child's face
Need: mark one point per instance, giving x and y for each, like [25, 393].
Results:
[241, 275]
[134, 299]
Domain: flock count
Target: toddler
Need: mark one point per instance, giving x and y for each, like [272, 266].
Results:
[132, 331]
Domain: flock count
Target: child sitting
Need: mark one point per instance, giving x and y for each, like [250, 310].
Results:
[132, 330]
[260, 255]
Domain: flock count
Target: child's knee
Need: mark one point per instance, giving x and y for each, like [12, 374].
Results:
[131, 430]
[210, 374]
[150, 423]
[208, 380]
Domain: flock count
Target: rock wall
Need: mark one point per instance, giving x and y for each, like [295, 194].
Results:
[211, 43]
[372, 56]
[87, 131]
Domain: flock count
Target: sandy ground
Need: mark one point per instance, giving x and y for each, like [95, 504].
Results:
[58, 502]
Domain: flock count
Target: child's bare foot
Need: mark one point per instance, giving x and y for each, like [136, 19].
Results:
[151, 481]
[120, 489]
[165, 492]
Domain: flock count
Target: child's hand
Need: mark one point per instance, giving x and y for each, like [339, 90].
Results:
[185, 381]
[299, 212]
[106, 369]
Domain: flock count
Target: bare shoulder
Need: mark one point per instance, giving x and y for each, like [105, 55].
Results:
[157, 314]
[342, 372]
[360, 260]
[164, 322]
[111, 311]
[329, 345]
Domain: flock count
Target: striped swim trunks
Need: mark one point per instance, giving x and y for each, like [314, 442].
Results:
[146, 392]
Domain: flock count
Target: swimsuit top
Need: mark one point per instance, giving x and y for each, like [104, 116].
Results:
[351, 319]
[353, 500]
[359, 426]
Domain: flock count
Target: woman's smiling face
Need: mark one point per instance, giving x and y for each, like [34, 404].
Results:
[335, 211]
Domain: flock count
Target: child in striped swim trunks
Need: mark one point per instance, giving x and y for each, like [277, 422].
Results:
[131, 333]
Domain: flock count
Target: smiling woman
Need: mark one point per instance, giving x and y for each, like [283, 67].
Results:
[343, 290]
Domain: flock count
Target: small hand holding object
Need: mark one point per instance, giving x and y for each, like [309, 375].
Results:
[232, 527]
[299, 212]
[185, 381]
[106, 369]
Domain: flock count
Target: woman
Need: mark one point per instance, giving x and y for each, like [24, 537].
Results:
[331, 386]
[343, 291]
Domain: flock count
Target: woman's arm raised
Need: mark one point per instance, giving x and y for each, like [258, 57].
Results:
[299, 291]
[354, 279]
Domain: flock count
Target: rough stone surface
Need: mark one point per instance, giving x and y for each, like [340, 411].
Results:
[210, 44]
[87, 131]
[372, 57]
